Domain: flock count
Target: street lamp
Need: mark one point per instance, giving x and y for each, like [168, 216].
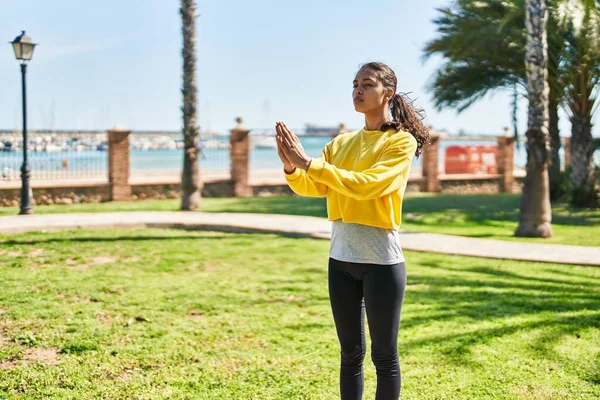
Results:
[23, 46]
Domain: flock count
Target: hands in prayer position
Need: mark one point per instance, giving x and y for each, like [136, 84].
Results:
[290, 149]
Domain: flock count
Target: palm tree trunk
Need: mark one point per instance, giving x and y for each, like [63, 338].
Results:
[535, 215]
[582, 174]
[555, 47]
[555, 144]
[581, 104]
[190, 177]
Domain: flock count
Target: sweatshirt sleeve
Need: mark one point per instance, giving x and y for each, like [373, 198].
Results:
[386, 176]
[304, 185]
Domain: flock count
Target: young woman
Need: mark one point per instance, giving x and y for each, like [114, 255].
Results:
[364, 176]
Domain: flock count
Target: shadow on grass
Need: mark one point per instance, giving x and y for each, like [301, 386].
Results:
[289, 205]
[227, 234]
[105, 239]
[490, 302]
[481, 293]
[485, 209]
[457, 347]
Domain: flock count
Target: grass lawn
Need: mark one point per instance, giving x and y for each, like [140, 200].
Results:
[169, 314]
[484, 216]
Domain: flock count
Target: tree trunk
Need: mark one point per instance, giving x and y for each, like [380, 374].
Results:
[582, 96]
[555, 48]
[535, 215]
[582, 173]
[190, 177]
[555, 144]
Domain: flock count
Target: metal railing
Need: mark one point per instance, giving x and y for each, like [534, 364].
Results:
[161, 156]
[155, 155]
[54, 156]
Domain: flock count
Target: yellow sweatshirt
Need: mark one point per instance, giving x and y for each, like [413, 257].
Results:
[363, 174]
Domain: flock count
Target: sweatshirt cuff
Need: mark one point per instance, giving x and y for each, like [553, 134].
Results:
[316, 168]
[294, 175]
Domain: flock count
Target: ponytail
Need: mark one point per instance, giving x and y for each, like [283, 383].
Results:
[405, 116]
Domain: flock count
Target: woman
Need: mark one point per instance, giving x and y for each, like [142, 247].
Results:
[364, 176]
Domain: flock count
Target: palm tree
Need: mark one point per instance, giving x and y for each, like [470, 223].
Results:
[468, 31]
[536, 214]
[190, 177]
[483, 52]
[582, 81]
[556, 72]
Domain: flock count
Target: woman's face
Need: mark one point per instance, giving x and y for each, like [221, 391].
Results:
[369, 94]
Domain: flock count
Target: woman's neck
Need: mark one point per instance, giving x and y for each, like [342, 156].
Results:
[374, 121]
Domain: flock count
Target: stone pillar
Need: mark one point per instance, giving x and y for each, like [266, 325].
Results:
[506, 163]
[430, 165]
[567, 147]
[240, 159]
[118, 164]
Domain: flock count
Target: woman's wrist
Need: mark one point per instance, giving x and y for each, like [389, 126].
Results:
[306, 164]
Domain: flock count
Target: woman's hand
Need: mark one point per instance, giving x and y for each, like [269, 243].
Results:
[289, 144]
[288, 167]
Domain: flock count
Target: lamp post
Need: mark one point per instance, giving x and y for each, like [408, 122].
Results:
[23, 47]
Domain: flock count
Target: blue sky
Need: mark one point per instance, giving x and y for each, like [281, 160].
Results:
[106, 63]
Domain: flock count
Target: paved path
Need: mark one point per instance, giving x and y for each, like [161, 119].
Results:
[300, 226]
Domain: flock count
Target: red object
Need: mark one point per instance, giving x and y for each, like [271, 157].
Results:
[471, 160]
[489, 159]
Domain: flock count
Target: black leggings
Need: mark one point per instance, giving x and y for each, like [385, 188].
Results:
[380, 290]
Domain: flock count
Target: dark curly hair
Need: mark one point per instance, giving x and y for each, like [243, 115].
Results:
[405, 116]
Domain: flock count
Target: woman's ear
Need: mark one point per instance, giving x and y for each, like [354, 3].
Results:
[389, 94]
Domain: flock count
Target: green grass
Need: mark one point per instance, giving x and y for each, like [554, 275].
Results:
[226, 316]
[293, 205]
[496, 217]
[483, 216]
